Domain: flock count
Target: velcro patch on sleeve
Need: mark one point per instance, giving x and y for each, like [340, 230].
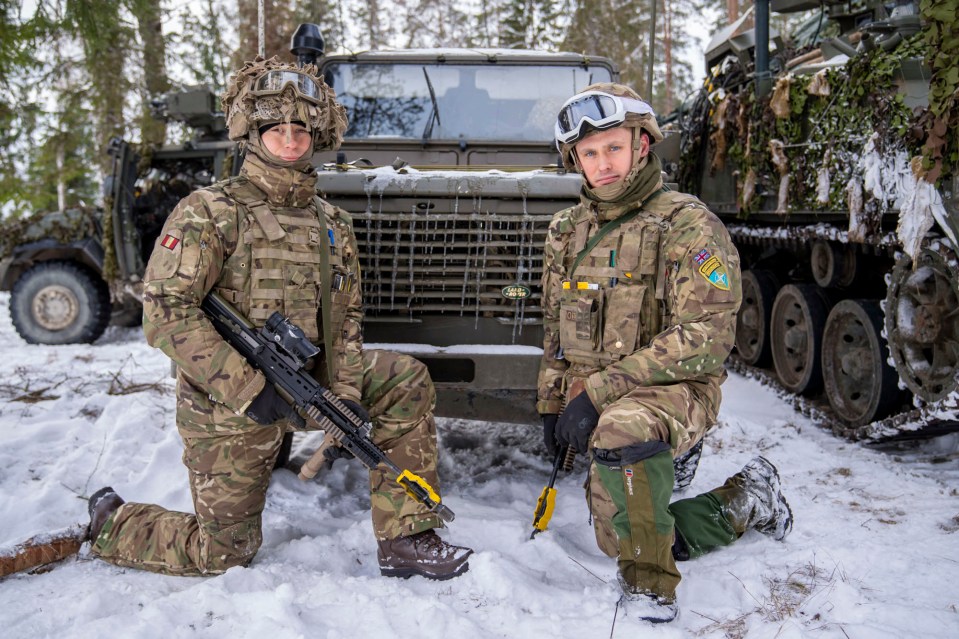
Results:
[711, 268]
[165, 259]
[169, 242]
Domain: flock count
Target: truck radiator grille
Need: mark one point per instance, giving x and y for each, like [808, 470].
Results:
[451, 263]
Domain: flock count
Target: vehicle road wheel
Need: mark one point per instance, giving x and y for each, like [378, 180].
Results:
[860, 385]
[59, 303]
[922, 324]
[796, 326]
[752, 325]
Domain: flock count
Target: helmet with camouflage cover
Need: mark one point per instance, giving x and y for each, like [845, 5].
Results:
[267, 92]
[599, 107]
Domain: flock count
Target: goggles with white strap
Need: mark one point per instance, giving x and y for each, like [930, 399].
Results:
[595, 111]
[273, 82]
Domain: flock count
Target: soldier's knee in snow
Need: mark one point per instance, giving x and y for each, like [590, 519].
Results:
[234, 545]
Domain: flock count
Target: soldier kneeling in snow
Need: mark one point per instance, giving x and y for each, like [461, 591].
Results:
[256, 240]
[640, 292]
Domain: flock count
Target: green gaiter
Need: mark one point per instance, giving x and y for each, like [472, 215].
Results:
[643, 523]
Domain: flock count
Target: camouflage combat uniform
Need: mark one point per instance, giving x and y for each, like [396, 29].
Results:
[256, 239]
[646, 322]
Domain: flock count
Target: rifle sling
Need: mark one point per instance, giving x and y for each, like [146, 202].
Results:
[326, 309]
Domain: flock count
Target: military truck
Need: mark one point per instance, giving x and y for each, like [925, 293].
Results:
[826, 154]
[448, 169]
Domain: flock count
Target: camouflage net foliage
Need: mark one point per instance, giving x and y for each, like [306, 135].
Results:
[70, 226]
[940, 150]
[811, 131]
[811, 124]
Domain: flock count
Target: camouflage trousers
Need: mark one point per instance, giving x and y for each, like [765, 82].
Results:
[229, 475]
[631, 479]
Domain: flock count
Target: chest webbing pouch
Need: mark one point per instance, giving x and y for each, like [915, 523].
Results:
[611, 226]
[326, 302]
[259, 208]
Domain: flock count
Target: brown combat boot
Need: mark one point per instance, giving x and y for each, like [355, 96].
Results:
[423, 554]
[101, 506]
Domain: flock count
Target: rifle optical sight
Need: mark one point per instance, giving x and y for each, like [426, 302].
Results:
[290, 338]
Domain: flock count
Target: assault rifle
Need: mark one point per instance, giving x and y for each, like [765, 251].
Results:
[280, 351]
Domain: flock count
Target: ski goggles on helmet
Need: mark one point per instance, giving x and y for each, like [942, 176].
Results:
[273, 82]
[595, 111]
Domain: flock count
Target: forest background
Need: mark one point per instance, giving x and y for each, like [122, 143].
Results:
[76, 73]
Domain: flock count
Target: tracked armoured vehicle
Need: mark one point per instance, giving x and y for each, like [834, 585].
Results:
[451, 177]
[831, 155]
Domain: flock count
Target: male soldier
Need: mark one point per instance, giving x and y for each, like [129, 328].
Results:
[257, 241]
[640, 292]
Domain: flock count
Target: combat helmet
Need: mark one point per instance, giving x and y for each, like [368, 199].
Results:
[602, 106]
[265, 92]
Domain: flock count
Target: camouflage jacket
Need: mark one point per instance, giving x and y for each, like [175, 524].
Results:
[652, 303]
[256, 240]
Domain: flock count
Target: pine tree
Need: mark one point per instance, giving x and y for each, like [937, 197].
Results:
[326, 14]
[46, 158]
[374, 33]
[531, 24]
[201, 47]
[59, 169]
[278, 27]
[485, 24]
[149, 17]
[106, 42]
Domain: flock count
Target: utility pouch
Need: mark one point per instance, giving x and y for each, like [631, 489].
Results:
[581, 315]
[621, 328]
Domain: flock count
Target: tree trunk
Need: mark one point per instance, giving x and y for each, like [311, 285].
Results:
[105, 44]
[148, 14]
[279, 29]
[667, 104]
[61, 177]
[732, 10]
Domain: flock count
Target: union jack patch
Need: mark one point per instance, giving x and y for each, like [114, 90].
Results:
[713, 270]
[169, 242]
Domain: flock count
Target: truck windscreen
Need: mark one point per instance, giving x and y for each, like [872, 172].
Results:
[470, 102]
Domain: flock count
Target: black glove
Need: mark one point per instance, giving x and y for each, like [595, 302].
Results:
[333, 453]
[268, 407]
[576, 423]
[549, 432]
[358, 410]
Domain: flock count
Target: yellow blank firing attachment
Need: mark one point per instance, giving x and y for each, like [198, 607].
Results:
[544, 509]
[406, 479]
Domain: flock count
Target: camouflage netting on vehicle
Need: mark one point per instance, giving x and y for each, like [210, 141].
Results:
[827, 142]
[808, 134]
[940, 151]
[69, 226]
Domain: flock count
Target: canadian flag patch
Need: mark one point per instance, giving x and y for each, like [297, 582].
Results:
[169, 242]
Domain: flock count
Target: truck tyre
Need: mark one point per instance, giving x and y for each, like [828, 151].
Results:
[59, 303]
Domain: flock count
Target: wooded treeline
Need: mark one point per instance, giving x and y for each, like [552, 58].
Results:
[76, 73]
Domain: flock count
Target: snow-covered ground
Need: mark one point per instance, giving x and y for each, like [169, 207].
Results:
[874, 552]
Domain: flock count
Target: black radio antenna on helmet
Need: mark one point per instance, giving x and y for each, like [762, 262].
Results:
[307, 44]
